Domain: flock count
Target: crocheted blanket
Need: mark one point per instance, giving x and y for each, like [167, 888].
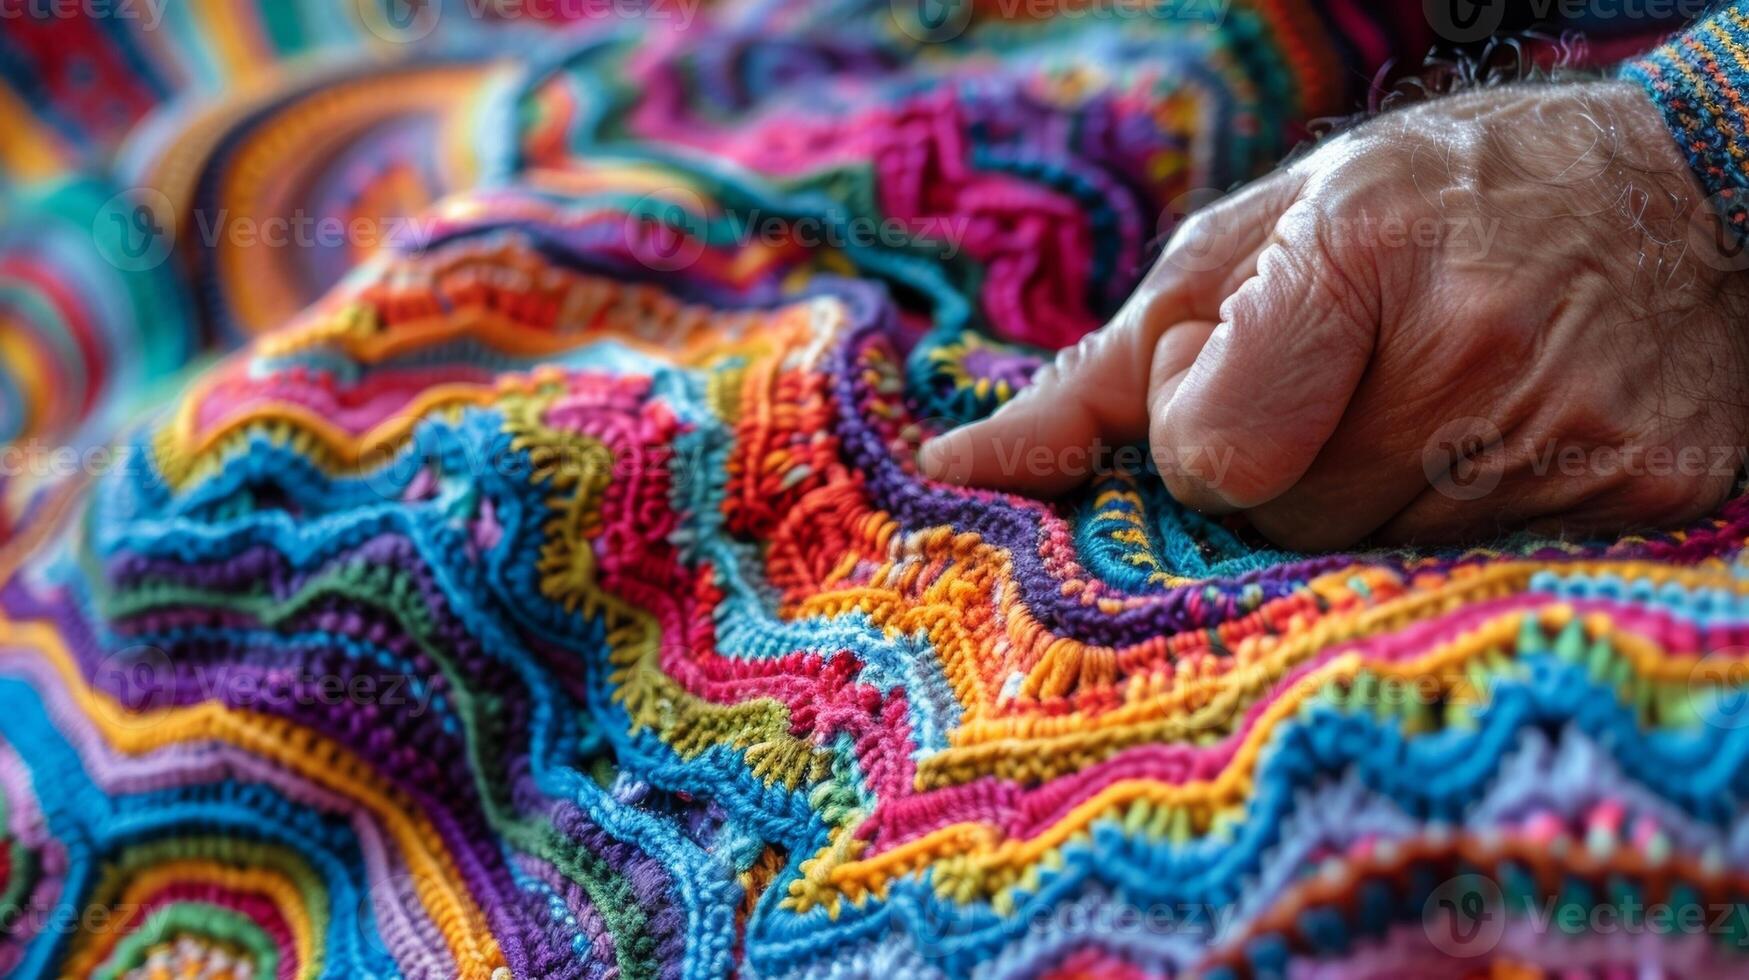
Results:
[556, 595]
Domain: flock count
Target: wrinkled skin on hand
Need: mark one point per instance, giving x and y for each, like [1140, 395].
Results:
[1492, 310]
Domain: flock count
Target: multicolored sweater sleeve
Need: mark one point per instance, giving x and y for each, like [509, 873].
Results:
[1700, 79]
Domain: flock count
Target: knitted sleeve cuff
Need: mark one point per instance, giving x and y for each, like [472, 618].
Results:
[1700, 81]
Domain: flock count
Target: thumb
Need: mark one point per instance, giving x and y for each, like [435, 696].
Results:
[1270, 386]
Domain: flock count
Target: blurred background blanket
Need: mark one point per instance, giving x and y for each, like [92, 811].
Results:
[460, 519]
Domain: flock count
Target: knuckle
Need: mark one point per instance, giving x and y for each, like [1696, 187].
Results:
[1075, 358]
[1197, 229]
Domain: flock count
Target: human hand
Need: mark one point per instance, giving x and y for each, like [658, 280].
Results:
[1518, 291]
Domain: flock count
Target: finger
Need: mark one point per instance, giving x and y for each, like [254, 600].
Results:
[1270, 386]
[1174, 356]
[1098, 390]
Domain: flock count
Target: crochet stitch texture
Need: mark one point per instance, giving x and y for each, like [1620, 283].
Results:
[1697, 79]
[556, 596]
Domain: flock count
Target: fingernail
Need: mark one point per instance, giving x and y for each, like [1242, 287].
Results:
[944, 458]
[930, 456]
